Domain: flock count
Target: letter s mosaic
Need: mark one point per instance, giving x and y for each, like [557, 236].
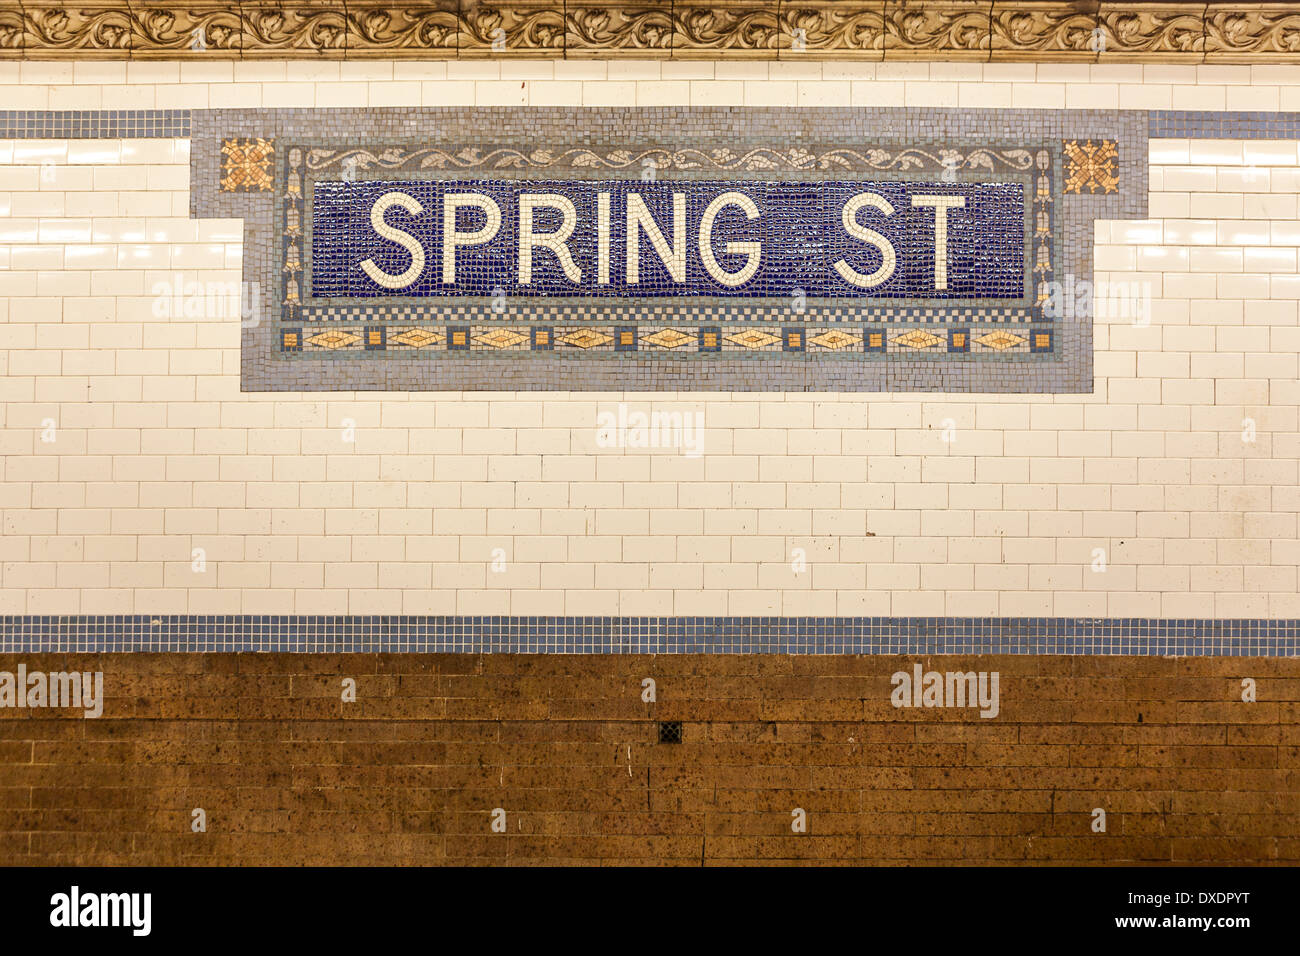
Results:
[865, 249]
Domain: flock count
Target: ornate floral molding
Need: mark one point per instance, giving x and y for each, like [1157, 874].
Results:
[1025, 30]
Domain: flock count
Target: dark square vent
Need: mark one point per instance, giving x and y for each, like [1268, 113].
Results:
[670, 731]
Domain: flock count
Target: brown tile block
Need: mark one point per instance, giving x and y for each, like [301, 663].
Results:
[1119, 755]
[983, 731]
[1230, 822]
[806, 846]
[71, 848]
[865, 778]
[1220, 849]
[1213, 801]
[981, 824]
[600, 797]
[391, 663]
[368, 687]
[325, 665]
[82, 798]
[19, 726]
[427, 710]
[1015, 755]
[1237, 758]
[1124, 712]
[1228, 712]
[81, 751]
[777, 822]
[390, 754]
[769, 801]
[303, 708]
[477, 848]
[975, 801]
[1099, 847]
[648, 823]
[1254, 734]
[887, 824]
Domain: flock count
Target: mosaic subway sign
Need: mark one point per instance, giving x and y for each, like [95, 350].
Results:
[436, 249]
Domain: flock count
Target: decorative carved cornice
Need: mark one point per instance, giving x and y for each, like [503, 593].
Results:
[1025, 30]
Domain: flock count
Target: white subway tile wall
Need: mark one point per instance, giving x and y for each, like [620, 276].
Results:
[137, 478]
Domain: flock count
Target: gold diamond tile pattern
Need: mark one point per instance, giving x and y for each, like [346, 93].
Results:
[657, 338]
[1000, 340]
[499, 338]
[834, 340]
[584, 338]
[418, 338]
[668, 339]
[333, 339]
[918, 339]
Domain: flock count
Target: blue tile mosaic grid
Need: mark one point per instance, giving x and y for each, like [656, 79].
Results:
[653, 635]
[145, 123]
[94, 124]
[790, 241]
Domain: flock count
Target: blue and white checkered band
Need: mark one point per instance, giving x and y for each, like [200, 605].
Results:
[889, 239]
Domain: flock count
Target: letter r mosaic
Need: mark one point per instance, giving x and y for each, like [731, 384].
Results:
[739, 249]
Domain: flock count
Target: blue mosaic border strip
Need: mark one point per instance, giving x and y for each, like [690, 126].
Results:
[651, 635]
[1209, 124]
[94, 124]
[145, 124]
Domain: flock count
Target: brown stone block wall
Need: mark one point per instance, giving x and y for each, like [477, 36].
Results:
[288, 773]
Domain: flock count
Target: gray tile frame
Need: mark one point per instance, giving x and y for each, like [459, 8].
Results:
[264, 369]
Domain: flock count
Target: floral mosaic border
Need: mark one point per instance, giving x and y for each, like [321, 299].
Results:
[989, 30]
[686, 327]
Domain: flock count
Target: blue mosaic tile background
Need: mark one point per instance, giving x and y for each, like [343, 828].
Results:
[653, 635]
[799, 227]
